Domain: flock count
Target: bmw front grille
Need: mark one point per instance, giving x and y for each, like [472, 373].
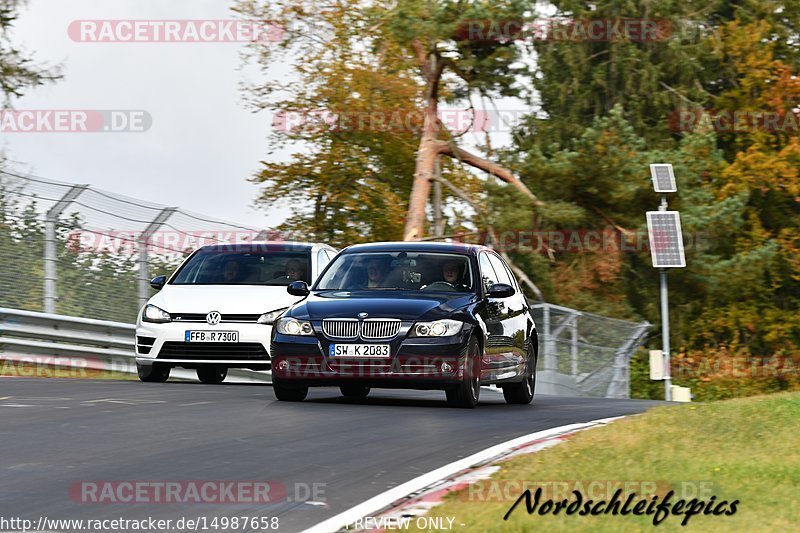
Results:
[369, 329]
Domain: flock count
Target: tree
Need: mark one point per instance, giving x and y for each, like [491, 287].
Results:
[391, 57]
[17, 70]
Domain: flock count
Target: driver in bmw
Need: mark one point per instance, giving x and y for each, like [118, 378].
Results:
[451, 273]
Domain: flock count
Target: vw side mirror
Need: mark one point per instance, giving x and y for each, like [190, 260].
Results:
[158, 282]
[500, 290]
[298, 288]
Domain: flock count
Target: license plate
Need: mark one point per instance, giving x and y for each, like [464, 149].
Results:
[359, 350]
[212, 336]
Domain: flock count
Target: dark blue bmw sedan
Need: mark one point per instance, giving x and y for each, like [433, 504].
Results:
[408, 315]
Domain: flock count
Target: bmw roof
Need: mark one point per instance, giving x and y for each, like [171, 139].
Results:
[417, 246]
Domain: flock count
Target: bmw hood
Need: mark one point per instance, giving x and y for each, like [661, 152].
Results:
[405, 305]
[227, 299]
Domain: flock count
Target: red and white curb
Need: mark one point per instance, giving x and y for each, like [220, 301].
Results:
[417, 496]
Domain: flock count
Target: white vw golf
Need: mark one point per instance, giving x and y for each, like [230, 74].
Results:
[216, 311]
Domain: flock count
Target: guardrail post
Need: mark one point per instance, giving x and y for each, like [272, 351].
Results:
[549, 352]
[50, 254]
[620, 385]
[573, 347]
[144, 242]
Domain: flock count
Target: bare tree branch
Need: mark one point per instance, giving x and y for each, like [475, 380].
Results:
[489, 167]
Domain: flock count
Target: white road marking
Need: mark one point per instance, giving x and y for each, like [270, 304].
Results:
[195, 403]
[123, 401]
[386, 499]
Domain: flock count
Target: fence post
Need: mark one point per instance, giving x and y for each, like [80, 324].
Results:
[50, 254]
[620, 386]
[549, 356]
[574, 347]
[144, 242]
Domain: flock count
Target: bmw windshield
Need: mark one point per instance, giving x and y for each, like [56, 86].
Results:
[415, 271]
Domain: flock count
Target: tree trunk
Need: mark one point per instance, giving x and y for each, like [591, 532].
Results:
[424, 173]
[430, 147]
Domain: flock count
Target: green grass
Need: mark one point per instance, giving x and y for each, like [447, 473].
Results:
[746, 449]
[40, 371]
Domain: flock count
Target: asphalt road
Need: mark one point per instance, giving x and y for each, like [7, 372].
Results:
[55, 434]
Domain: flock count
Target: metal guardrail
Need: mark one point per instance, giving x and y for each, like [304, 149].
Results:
[587, 363]
[583, 354]
[45, 340]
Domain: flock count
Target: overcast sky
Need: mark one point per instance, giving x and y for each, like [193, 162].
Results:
[203, 143]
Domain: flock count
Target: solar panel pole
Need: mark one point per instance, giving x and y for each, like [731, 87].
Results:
[662, 274]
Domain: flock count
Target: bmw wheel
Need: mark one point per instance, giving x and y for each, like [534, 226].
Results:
[356, 392]
[289, 392]
[522, 393]
[466, 393]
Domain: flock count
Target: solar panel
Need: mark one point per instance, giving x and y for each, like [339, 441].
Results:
[663, 178]
[666, 239]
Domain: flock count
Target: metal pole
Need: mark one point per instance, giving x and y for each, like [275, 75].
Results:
[50, 256]
[665, 333]
[574, 348]
[549, 355]
[665, 318]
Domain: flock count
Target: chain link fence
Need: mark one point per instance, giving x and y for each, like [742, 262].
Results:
[81, 251]
[78, 250]
[583, 354]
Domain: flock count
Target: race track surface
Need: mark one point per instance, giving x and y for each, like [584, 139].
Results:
[57, 433]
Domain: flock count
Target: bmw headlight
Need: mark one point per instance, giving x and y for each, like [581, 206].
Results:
[439, 328]
[155, 314]
[292, 326]
[269, 318]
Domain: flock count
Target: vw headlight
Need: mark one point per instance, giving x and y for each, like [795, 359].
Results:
[439, 328]
[269, 318]
[155, 314]
[292, 326]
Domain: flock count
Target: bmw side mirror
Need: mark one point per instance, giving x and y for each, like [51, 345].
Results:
[298, 288]
[158, 282]
[500, 290]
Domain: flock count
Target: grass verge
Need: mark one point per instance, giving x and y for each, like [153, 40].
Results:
[746, 449]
